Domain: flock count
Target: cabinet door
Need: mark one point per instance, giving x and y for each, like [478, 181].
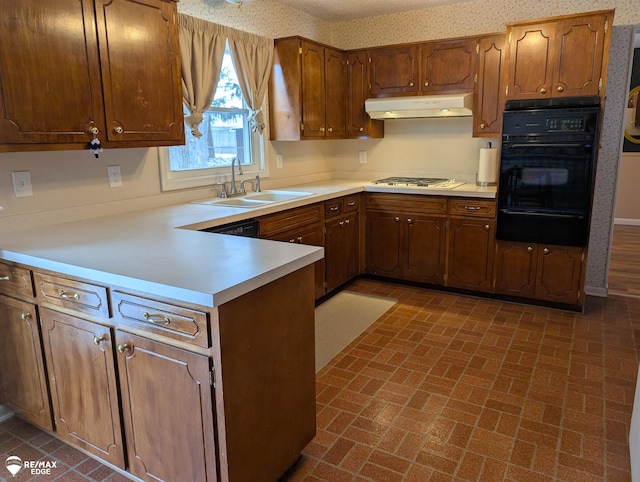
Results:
[383, 244]
[394, 70]
[313, 88]
[531, 50]
[448, 66]
[335, 114]
[171, 438]
[311, 235]
[50, 87]
[515, 268]
[471, 247]
[342, 242]
[558, 274]
[23, 387]
[577, 63]
[359, 124]
[424, 247]
[82, 378]
[140, 59]
[489, 96]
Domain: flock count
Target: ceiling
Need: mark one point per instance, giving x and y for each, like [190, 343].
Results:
[340, 10]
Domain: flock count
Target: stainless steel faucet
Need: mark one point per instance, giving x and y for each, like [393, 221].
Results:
[233, 175]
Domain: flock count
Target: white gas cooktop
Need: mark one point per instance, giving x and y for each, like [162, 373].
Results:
[418, 182]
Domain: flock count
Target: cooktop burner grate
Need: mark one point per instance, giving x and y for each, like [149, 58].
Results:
[412, 181]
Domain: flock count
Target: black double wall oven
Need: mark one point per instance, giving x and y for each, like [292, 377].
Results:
[547, 170]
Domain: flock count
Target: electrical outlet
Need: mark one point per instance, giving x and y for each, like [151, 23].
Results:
[279, 161]
[115, 178]
[22, 183]
[362, 157]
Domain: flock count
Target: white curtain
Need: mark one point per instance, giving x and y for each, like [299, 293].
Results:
[252, 58]
[202, 46]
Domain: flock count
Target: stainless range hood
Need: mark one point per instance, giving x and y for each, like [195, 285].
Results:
[451, 105]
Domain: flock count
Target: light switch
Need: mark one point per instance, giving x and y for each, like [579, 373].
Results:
[279, 161]
[22, 183]
[362, 157]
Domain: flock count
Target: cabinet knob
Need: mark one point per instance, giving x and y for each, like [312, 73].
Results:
[124, 347]
[397, 219]
[409, 221]
[426, 84]
[97, 341]
[486, 227]
[330, 129]
[483, 126]
[94, 130]
[546, 250]
[25, 316]
[529, 249]
[560, 88]
[341, 223]
[118, 130]
[543, 90]
[292, 240]
[410, 84]
[361, 129]
[347, 221]
[299, 239]
[322, 129]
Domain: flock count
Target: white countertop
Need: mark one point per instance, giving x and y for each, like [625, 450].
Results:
[147, 250]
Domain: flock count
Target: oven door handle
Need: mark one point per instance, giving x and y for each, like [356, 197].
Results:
[535, 144]
[541, 213]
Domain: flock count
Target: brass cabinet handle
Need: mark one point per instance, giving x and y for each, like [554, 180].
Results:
[560, 88]
[25, 316]
[361, 129]
[410, 84]
[486, 227]
[97, 340]
[124, 347]
[351, 203]
[94, 130]
[543, 90]
[483, 126]
[546, 251]
[292, 240]
[299, 239]
[409, 221]
[347, 221]
[118, 130]
[472, 208]
[330, 129]
[322, 129]
[341, 223]
[156, 319]
[68, 296]
[5, 278]
[529, 249]
[397, 219]
[426, 84]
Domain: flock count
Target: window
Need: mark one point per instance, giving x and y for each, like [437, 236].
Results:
[225, 135]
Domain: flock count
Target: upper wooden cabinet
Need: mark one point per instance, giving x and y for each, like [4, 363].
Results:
[106, 65]
[395, 70]
[306, 91]
[359, 124]
[561, 57]
[448, 66]
[489, 95]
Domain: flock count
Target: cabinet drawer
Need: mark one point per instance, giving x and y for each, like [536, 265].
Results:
[15, 281]
[292, 218]
[142, 315]
[351, 203]
[415, 203]
[472, 207]
[75, 296]
[333, 208]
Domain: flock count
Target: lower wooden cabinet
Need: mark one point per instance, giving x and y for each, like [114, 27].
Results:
[543, 272]
[470, 253]
[342, 247]
[82, 378]
[167, 410]
[23, 384]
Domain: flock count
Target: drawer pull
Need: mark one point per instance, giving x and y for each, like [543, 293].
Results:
[97, 340]
[341, 223]
[292, 240]
[68, 296]
[156, 319]
[472, 208]
[25, 316]
[124, 347]
[347, 221]
[5, 278]
[333, 209]
[351, 203]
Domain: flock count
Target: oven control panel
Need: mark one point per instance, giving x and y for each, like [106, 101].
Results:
[565, 123]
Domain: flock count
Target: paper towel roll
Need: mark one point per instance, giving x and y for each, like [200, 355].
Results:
[488, 167]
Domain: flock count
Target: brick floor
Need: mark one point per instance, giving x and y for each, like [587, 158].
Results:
[448, 387]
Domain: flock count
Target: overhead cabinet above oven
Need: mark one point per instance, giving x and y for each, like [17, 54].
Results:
[72, 70]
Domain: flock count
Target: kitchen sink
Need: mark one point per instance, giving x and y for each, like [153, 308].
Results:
[255, 199]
